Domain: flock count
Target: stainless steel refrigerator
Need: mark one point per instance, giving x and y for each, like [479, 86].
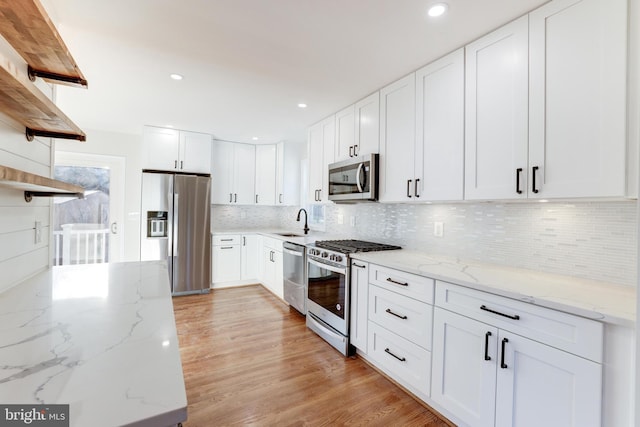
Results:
[176, 216]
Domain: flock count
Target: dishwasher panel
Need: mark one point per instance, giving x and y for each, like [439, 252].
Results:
[295, 276]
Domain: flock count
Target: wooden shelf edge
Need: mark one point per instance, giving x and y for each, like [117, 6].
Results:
[36, 185]
[26, 25]
[21, 100]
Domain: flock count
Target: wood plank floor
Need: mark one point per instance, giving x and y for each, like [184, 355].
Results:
[250, 360]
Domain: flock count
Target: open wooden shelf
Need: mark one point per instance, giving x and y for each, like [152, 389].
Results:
[27, 27]
[36, 185]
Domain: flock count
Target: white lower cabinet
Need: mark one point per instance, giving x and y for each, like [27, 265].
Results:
[489, 376]
[226, 258]
[250, 253]
[359, 305]
[271, 265]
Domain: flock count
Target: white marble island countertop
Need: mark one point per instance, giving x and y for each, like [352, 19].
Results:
[101, 338]
[595, 300]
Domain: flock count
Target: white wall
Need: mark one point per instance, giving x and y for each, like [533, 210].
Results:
[127, 146]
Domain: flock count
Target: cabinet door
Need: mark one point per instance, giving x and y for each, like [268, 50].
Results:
[328, 151]
[244, 173]
[160, 147]
[195, 152]
[367, 138]
[397, 140]
[278, 279]
[439, 160]
[280, 185]
[577, 114]
[539, 385]
[464, 367]
[226, 263]
[222, 173]
[316, 164]
[266, 174]
[496, 116]
[359, 305]
[345, 134]
[250, 255]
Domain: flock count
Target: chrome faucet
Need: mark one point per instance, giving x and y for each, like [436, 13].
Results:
[306, 227]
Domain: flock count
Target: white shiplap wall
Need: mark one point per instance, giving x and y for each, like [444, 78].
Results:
[20, 256]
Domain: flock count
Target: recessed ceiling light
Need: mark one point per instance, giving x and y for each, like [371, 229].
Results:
[437, 9]
[255, 138]
[302, 105]
[175, 76]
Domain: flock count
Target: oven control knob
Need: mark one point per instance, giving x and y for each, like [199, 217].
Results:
[338, 258]
[324, 254]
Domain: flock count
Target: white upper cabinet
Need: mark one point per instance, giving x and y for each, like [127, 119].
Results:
[321, 153]
[195, 152]
[289, 173]
[496, 104]
[439, 159]
[345, 133]
[266, 157]
[397, 140]
[367, 125]
[173, 150]
[233, 173]
[577, 110]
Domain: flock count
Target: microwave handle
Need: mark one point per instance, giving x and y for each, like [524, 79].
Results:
[358, 175]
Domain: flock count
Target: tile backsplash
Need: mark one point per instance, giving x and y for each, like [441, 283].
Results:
[593, 240]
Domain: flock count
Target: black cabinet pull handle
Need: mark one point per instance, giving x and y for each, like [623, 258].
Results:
[533, 179]
[226, 247]
[351, 151]
[388, 310]
[175, 164]
[402, 359]
[280, 198]
[389, 279]
[486, 346]
[514, 317]
[355, 153]
[518, 173]
[235, 197]
[409, 187]
[226, 240]
[504, 343]
[181, 164]
[358, 265]
[230, 197]
[415, 189]
[244, 241]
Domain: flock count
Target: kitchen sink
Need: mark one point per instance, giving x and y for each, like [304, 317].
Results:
[289, 235]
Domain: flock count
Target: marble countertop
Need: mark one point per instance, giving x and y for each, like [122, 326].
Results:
[300, 238]
[587, 298]
[101, 338]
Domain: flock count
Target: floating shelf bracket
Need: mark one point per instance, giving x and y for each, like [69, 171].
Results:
[31, 133]
[33, 73]
[29, 195]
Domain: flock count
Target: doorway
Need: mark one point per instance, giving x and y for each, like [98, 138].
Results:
[89, 230]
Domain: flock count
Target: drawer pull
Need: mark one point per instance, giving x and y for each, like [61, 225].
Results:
[358, 265]
[226, 240]
[514, 317]
[486, 346]
[389, 279]
[388, 310]
[504, 343]
[226, 247]
[402, 359]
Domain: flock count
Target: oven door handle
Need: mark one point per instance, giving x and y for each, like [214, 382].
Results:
[290, 252]
[327, 267]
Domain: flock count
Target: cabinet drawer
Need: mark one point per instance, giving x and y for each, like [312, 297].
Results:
[411, 285]
[577, 335]
[404, 361]
[275, 244]
[225, 239]
[409, 318]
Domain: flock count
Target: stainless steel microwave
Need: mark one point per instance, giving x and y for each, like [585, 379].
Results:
[354, 179]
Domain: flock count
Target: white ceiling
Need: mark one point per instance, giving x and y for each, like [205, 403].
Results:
[248, 63]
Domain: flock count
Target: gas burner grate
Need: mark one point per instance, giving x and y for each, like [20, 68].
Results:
[351, 246]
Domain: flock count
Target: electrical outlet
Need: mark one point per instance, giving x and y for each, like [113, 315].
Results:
[352, 220]
[438, 229]
[38, 234]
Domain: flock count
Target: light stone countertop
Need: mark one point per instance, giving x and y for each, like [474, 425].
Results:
[300, 237]
[601, 301]
[101, 338]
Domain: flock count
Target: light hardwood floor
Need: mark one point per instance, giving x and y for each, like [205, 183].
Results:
[250, 360]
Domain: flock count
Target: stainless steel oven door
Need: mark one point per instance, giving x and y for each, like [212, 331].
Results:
[328, 294]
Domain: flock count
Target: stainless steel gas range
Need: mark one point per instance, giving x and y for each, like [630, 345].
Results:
[328, 275]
